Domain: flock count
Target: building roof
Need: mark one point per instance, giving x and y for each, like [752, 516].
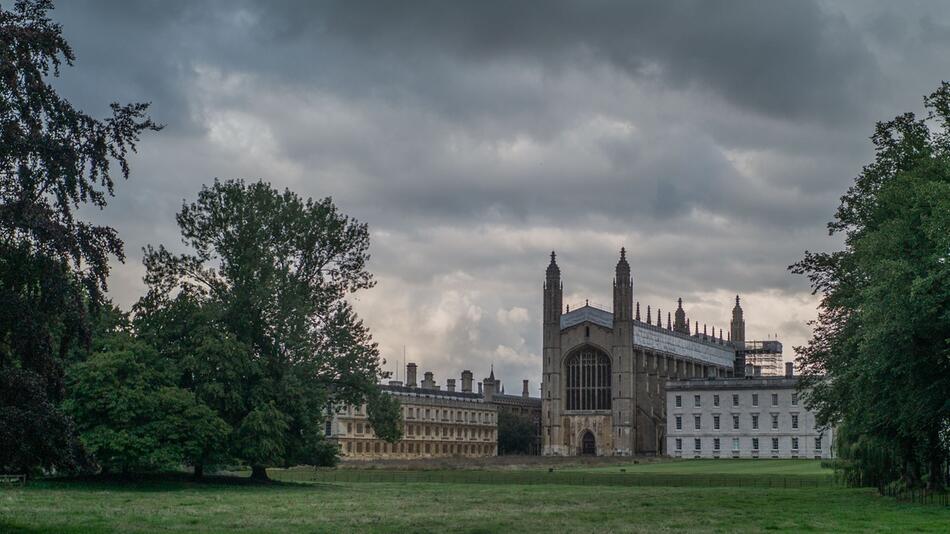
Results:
[405, 390]
[757, 382]
[696, 347]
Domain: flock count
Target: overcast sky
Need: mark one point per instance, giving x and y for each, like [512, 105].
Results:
[711, 139]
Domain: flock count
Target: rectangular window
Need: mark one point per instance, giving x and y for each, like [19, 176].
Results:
[755, 444]
[697, 444]
[716, 444]
[735, 422]
[679, 401]
[775, 399]
[735, 400]
[774, 444]
[818, 443]
[794, 399]
[715, 400]
[696, 402]
[774, 421]
[794, 444]
[795, 420]
[755, 399]
[679, 444]
[755, 421]
[679, 422]
[696, 421]
[735, 444]
[716, 422]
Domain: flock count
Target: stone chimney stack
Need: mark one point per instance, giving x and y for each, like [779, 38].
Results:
[466, 381]
[428, 382]
[479, 388]
[758, 370]
[450, 384]
[411, 375]
[789, 369]
[749, 369]
[524, 388]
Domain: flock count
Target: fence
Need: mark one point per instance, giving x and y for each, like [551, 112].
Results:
[12, 480]
[549, 477]
[918, 496]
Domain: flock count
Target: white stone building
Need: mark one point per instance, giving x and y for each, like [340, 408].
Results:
[750, 417]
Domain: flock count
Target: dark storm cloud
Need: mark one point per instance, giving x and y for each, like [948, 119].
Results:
[710, 138]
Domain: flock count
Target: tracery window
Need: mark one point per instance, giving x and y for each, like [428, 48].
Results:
[588, 380]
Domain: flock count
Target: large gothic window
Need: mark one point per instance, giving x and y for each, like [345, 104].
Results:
[588, 380]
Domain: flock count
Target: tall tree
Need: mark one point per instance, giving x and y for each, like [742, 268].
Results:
[879, 359]
[53, 266]
[274, 272]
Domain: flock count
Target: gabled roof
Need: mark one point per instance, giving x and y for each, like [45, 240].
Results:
[587, 313]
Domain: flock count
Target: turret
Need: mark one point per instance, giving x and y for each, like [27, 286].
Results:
[553, 293]
[737, 326]
[623, 289]
[681, 325]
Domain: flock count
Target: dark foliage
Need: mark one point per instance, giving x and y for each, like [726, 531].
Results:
[53, 267]
[879, 360]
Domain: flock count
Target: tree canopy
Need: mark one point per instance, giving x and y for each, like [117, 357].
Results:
[276, 343]
[53, 266]
[879, 360]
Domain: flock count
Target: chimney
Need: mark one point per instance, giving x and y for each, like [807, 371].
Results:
[789, 369]
[749, 369]
[466, 381]
[411, 375]
[758, 370]
[524, 388]
[450, 384]
[490, 386]
[479, 388]
[427, 381]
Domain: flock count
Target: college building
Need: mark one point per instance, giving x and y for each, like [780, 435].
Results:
[437, 422]
[754, 416]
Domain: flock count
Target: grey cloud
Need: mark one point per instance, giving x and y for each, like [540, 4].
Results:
[712, 139]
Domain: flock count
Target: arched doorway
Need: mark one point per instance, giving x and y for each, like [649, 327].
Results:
[588, 444]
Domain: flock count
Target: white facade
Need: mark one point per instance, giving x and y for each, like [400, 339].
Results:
[760, 417]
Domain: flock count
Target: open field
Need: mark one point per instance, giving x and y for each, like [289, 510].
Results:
[77, 507]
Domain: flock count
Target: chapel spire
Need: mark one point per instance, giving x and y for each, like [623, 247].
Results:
[623, 289]
[737, 325]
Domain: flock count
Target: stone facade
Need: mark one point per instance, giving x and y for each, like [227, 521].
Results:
[437, 423]
[604, 373]
[751, 417]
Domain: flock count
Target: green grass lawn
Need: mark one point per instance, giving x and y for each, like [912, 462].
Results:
[74, 507]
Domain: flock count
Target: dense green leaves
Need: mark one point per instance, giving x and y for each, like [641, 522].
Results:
[879, 360]
[53, 266]
[130, 415]
[516, 433]
[256, 316]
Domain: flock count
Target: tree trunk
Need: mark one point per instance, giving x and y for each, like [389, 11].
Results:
[199, 470]
[259, 473]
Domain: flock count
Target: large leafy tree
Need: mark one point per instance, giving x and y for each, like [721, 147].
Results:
[272, 271]
[879, 360]
[53, 266]
[132, 416]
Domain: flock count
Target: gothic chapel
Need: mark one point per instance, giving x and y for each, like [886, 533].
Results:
[604, 373]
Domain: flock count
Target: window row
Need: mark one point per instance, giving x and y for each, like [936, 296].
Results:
[384, 447]
[754, 442]
[698, 402]
[446, 414]
[717, 421]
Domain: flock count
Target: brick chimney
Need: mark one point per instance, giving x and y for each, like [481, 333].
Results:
[524, 388]
[450, 384]
[411, 375]
[789, 369]
[466, 381]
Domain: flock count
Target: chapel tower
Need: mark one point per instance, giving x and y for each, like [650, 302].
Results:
[551, 341]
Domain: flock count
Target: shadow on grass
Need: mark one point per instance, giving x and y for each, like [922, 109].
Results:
[163, 482]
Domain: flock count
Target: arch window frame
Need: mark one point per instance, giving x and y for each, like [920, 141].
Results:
[588, 380]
